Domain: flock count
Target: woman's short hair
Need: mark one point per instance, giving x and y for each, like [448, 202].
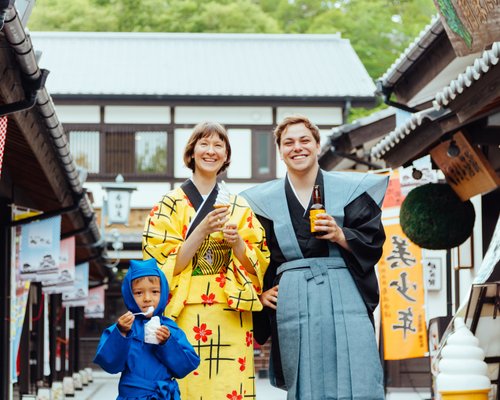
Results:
[203, 130]
[293, 120]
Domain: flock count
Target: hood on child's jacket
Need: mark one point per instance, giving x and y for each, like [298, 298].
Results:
[138, 269]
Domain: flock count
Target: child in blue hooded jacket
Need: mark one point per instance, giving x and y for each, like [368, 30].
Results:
[148, 370]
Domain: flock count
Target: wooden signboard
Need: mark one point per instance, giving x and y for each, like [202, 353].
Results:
[466, 169]
[471, 25]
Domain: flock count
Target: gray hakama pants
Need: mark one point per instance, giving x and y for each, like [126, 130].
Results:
[326, 339]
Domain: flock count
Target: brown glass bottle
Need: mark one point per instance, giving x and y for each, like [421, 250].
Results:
[317, 207]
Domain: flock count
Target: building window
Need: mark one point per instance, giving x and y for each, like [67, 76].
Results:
[119, 152]
[263, 154]
[150, 152]
[84, 146]
[135, 152]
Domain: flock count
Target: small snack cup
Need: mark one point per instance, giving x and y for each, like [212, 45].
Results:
[150, 329]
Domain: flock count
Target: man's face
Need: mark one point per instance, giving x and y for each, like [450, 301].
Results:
[146, 292]
[298, 149]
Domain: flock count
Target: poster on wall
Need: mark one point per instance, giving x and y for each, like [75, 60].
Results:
[95, 305]
[65, 278]
[40, 249]
[19, 288]
[78, 296]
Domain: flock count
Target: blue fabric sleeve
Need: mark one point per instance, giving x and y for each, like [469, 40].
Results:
[177, 354]
[112, 351]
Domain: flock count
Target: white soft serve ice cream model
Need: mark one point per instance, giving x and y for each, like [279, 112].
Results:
[463, 375]
[223, 197]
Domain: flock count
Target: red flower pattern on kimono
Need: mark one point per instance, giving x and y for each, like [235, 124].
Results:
[221, 279]
[184, 230]
[250, 245]
[234, 395]
[242, 362]
[152, 212]
[249, 220]
[202, 332]
[208, 299]
[249, 339]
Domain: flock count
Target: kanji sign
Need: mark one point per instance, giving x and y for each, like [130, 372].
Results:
[402, 297]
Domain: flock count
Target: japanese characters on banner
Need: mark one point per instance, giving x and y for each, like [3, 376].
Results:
[19, 289]
[65, 277]
[40, 249]
[78, 295]
[402, 297]
[95, 305]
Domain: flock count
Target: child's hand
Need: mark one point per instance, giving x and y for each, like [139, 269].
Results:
[162, 334]
[125, 323]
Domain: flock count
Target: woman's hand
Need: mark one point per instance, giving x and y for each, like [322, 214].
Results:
[270, 298]
[162, 334]
[125, 322]
[231, 235]
[215, 220]
[233, 239]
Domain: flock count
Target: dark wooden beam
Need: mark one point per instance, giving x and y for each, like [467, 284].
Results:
[425, 69]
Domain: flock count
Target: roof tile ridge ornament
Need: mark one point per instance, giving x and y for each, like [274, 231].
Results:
[473, 73]
[433, 28]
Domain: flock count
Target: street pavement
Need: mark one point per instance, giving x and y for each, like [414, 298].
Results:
[105, 387]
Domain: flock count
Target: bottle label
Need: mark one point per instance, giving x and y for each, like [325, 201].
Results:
[312, 217]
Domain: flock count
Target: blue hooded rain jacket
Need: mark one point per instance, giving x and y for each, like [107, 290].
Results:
[148, 371]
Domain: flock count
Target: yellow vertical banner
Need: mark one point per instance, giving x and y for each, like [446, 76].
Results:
[402, 297]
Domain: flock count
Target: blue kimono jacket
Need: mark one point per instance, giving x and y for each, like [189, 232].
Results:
[148, 371]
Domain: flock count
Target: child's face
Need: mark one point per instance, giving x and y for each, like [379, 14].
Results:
[146, 292]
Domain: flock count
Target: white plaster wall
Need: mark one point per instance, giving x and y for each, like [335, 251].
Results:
[136, 115]
[241, 153]
[467, 275]
[144, 197]
[224, 115]
[318, 115]
[78, 114]
[324, 136]
[181, 138]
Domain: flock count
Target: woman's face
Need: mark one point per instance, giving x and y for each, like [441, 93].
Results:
[209, 154]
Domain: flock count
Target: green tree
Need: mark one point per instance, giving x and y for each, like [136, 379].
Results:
[151, 16]
[379, 30]
[74, 15]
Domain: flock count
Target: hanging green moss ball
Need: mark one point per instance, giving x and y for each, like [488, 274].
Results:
[434, 217]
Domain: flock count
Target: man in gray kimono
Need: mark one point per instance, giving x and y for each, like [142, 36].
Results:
[320, 291]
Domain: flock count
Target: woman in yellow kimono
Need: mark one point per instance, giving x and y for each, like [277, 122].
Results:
[214, 259]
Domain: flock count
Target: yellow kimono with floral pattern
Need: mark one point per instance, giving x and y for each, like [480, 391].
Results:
[212, 299]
